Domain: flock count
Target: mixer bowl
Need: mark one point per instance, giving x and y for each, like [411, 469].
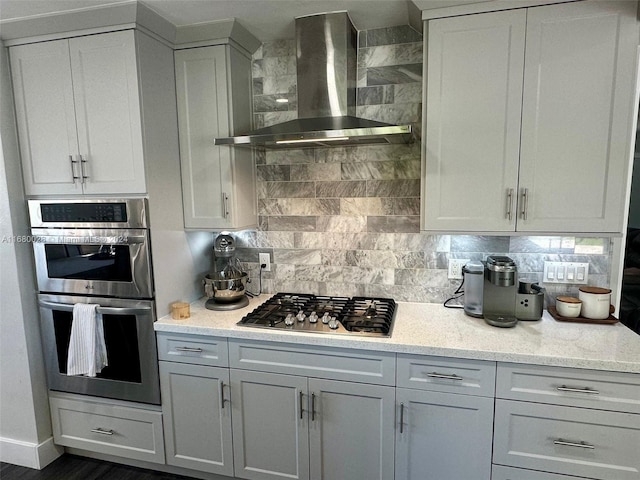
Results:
[223, 289]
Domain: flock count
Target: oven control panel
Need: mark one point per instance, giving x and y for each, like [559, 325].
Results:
[84, 212]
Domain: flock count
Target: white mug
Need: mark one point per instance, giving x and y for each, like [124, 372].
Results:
[595, 302]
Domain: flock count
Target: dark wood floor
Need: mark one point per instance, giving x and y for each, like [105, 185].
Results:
[70, 467]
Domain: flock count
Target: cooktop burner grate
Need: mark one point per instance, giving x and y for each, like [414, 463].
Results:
[364, 316]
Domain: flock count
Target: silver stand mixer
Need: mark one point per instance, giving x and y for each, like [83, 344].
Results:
[225, 285]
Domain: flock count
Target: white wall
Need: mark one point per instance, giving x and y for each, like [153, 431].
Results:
[25, 425]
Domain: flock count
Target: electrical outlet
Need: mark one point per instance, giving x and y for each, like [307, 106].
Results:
[455, 267]
[265, 259]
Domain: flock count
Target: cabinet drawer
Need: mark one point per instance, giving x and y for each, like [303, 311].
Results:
[196, 349]
[507, 473]
[565, 440]
[450, 375]
[569, 386]
[318, 362]
[109, 429]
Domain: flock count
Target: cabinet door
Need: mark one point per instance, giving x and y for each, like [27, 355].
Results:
[270, 430]
[577, 115]
[197, 417]
[474, 93]
[45, 116]
[443, 436]
[105, 86]
[203, 114]
[351, 430]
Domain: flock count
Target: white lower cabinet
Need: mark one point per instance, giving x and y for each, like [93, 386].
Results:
[107, 427]
[566, 421]
[305, 419]
[197, 417]
[445, 418]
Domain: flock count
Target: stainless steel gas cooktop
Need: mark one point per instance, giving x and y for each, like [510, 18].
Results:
[365, 316]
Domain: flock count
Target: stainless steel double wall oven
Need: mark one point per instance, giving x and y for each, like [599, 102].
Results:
[97, 251]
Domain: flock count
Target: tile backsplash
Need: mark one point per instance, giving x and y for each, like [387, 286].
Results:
[345, 220]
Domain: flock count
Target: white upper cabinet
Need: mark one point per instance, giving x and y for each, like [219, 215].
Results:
[531, 138]
[214, 100]
[78, 113]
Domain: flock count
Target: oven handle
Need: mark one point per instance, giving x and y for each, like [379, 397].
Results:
[68, 307]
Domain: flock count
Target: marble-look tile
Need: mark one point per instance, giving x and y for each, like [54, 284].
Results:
[366, 206]
[371, 96]
[406, 206]
[292, 223]
[385, 259]
[290, 190]
[540, 244]
[383, 276]
[391, 35]
[396, 74]
[407, 93]
[256, 68]
[251, 254]
[316, 172]
[389, 55]
[368, 170]
[394, 114]
[290, 284]
[263, 223]
[395, 224]
[335, 241]
[336, 289]
[257, 55]
[334, 257]
[299, 206]
[258, 120]
[280, 84]
[268, 103]
[424, 277]
[319, 273]
[362, 38]
[264, 239]
[279, 48]
[276, 66]
[297, 257]
[259, 155]
[338, 223]
[409, 169]
[340, 189]
[290, 156]
[393, 188]
[479, 243]
[271, 118]
[335, 154]
[273, 173]
[258, 86]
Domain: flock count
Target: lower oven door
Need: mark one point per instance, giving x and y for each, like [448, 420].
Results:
[132, 371]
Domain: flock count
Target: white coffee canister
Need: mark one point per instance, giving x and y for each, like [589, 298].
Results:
[596, 302]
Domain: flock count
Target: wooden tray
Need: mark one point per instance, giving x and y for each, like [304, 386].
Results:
[554, 313]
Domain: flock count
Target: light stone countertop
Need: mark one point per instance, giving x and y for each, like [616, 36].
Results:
[431, 329]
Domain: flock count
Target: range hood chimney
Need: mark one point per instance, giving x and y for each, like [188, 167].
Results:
[326, 46]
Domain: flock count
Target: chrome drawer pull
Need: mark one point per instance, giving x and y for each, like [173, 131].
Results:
[564, 388]
[301, 409]
[189, 349]
[573, 444]
[402, 418]
[313, 407]
[442, 376]
[102, 431]
[222, 400]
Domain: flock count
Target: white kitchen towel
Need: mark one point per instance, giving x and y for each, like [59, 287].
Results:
[87, 349]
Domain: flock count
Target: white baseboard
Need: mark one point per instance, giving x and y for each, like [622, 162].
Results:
[26, 454]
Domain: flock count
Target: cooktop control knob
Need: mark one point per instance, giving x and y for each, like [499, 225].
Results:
[289, 320]
[333, 323]
[313, 317]
[301, 316]
[326, 317]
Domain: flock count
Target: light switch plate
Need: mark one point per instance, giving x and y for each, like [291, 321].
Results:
[574, 273]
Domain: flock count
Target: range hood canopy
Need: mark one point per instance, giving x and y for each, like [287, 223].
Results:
[326, 73]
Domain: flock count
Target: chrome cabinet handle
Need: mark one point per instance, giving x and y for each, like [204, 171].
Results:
[74, 177]
[225, 205]
[442, 376]
[301, 404]
[222, 400]
[567, 443]
[564, 388]
[509, 212]
[102, 431]
[401, 417]
[525, 203]
[313, 407]
[189, 349]
[84, 175]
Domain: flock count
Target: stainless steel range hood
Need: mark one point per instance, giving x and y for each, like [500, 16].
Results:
[326, 73]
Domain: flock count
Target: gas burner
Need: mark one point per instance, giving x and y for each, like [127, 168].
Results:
[320, 314]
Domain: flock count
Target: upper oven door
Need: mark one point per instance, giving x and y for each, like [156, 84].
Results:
[114, 263]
